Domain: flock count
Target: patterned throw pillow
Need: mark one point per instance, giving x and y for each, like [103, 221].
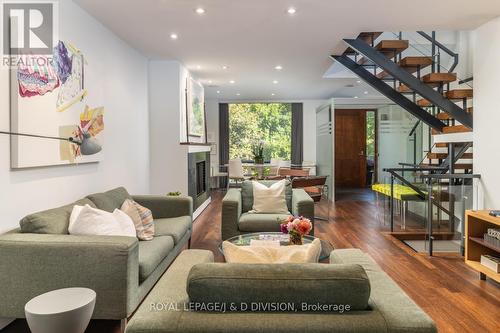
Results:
[142, 217]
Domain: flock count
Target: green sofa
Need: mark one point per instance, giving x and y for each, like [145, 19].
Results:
[42, 256]
[378, 303]
[237, 203]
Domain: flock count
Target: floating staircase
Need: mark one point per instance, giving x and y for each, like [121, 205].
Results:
[418, 84]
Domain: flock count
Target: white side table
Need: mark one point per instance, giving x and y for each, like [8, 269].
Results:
[61, 311]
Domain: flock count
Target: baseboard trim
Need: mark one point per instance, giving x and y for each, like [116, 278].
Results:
[200, 209]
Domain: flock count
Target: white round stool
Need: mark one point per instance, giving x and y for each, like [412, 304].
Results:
[61, 311]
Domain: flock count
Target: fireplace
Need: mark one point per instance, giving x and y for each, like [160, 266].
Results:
[198, 177]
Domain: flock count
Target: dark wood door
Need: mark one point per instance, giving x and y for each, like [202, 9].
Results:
[350, 148]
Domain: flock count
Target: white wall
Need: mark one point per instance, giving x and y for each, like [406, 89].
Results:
[169, 168]
[487, 110]
[125, 158]
[309, 110]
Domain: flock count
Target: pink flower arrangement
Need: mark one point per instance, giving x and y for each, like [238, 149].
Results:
[296, 226]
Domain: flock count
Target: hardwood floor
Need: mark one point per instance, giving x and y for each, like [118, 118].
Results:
[443, 286]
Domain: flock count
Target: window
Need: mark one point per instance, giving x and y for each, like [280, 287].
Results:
[250, 123]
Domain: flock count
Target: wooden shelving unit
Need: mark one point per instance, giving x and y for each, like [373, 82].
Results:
[476, 225]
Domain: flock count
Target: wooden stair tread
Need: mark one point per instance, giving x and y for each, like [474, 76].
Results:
[366, 37]
[446, 116]
[442, 145]
[459, 93]
[457, 166]
[389, 48]
[452, 129]
[410, 64]
[442, 156]
[439, 77]
[424, 102]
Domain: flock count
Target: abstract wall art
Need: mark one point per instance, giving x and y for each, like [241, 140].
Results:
[196, 108]
[50, 96]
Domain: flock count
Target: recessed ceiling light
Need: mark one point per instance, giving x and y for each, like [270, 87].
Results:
[273, 94]
[232, 81]
[366, 93]
[225, 67]
[200, 10]
[198, 67]
[275, 81]
[209, 81]
[278, 68]
[291, 10]
[355, 96]
[173, 36]
[218, 91]
[237, 94]
[358, 81]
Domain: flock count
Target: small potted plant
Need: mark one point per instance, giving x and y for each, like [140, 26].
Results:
[296, 228]
[258, 152]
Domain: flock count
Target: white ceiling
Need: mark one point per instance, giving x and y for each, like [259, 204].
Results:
[253, 36]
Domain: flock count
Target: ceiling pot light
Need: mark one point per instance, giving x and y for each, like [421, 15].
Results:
[278, 68]
[218, 91]
[198, 67]
[225, 67]
[275, 81]
[238, 94]
[356, 97]
[291, 11]
[209, 81]
[358, 81]
[366, 93]
[173, 36]
[232, 81]
[200, 11]
[273, 94]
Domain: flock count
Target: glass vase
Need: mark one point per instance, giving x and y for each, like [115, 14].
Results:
[295, 239]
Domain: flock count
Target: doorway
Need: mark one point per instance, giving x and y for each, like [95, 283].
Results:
[355, 153]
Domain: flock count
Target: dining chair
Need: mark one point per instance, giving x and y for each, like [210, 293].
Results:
[235, 171]
[317, 189]
[275, 167]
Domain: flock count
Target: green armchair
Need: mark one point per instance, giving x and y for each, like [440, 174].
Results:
[237, 203]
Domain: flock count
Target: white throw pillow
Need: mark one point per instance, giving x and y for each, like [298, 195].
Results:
[271, 199]
[92, 221]
[308, 253]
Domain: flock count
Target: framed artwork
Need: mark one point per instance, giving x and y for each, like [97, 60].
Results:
[50, 96]
[195, 109]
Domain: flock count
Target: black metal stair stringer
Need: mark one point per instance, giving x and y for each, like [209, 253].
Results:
[411, 81]
[390, 93]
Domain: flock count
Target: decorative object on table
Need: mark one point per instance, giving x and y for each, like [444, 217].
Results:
[297, 228]
[265, 254]
[491, 262]
[195, 108]
[174, 194]
[258, 152]
[495, 213]
[492, 237]
[48, 95]
[61, 311]
[269, 200]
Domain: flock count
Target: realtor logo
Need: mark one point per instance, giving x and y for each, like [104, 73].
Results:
[28, 28]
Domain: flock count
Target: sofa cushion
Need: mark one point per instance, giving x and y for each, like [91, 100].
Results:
[110, 200]
[151, 253]
[52, 221]
[176, 227]
[261, 222]
[298, 284]
[247, 194]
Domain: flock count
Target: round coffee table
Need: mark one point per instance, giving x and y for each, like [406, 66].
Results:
[61, 311]
[245, 239]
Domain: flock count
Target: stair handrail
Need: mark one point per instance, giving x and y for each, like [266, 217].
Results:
[442, 47]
